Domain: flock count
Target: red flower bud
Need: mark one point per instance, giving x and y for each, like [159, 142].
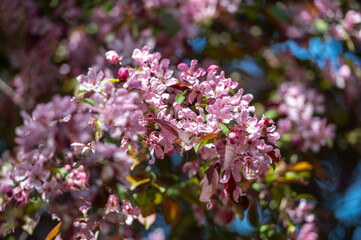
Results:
[123, 74]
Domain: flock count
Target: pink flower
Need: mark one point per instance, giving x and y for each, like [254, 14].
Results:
[112, 56]
[352, 18]
[142, 57]
[91, 82]
[129, 212]
[19, 195]
[308, 232]
[220, 110]
[189, 73]
[193, 168]
[157, 234]
[78, 177]
[113, 204]
[123, 74]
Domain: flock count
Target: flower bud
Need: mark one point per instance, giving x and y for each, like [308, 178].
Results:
[232, 137]
[112, 56]
[123, 74]
[213, 68]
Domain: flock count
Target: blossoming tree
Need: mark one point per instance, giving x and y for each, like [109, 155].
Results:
[167, 119]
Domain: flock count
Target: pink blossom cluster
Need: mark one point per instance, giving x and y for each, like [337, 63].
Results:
[178, 20]
[326, 16]
[47, 131]
[60, 50]
[198, 106]
[64, 143]
[348, 27]
[300, 106]
[306, 17]
[37, 40]
[345, 77]
[302, 216]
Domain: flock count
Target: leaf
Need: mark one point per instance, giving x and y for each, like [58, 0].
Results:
[257, 187]
[301, 166]
[145, 202]
[148, 209]
[286, 137]
[81, 91]
[180, 98]
[275, 154]
[179, 87]
[321, 25]
[158, 198]
[224, 128]
[182, 135]
[87, 100]
[108, 80]
[206, 165]
[170, 211]
[209, 136]
[202, 104]
[290, 177]
[273, 165]
[272, 113]
[200, 145]
[227, 153]
[114, 80]
[55, 231]
[148, 220]
[208, 186]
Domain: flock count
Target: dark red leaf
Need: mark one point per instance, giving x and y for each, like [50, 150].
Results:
[182, 135]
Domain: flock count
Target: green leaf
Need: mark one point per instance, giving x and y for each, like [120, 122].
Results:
[233, 123]
[257, 187]
[292, 176]
[62, 171]
[113, 80]
[200, 145]
[81, 91]
[201, 104]
[321, 25]
[224, 128]
[172, 192]
[280, 14]
[206, 165]
[286, 137]
[87, 100]
[180, 98]
[108, 80]
[272, 113]
[273, 165]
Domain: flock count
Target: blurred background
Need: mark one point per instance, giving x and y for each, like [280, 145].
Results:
[300, 59]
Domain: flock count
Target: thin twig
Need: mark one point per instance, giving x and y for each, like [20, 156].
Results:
[17, 99]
